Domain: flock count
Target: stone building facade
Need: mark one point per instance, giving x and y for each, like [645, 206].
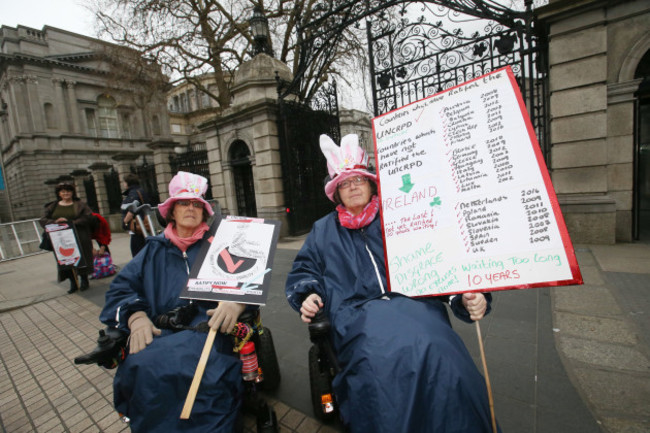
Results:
[599, 54]
[59, 116]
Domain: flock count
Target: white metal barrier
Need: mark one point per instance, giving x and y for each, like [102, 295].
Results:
[20, 239]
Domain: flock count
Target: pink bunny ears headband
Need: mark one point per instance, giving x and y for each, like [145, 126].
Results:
[345, 161]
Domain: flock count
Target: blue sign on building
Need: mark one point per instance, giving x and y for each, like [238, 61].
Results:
[2, 181]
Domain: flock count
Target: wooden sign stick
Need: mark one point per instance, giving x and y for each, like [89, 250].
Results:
[487, 377]
[74, 275]
[198, 374]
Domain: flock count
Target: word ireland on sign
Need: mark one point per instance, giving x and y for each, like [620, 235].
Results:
[467, 203]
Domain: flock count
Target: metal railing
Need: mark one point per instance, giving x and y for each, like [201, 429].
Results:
[20, 239]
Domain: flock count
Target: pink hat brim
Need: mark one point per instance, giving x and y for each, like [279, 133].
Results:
[164, 207]
[330, 187]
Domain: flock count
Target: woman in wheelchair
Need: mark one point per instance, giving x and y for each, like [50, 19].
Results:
[151, 384]
[403, 368]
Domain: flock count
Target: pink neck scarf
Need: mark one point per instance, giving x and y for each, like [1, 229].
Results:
[364, 218]
[184, 243]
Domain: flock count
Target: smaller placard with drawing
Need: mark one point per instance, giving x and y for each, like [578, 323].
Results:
[235, 265]
[65, 245]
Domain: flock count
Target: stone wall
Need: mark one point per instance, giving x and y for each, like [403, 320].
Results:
[592, 124]
[49, 79]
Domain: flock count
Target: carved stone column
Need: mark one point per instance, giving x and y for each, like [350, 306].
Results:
[74, 109]
[62, 112]
[34, 104]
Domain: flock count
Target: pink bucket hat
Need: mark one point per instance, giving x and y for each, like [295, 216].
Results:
[343, 162]
[186, 186]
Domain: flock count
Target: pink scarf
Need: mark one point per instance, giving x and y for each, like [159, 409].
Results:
[184, 243]
[364, 218]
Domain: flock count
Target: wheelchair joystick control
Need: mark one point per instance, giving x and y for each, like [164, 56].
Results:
[110, 349]
[319, 326]
[248, 357]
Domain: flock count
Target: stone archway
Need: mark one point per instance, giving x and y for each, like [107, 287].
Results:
[242, 172]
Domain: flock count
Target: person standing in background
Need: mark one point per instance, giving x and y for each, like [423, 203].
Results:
[133, 192]
[70, 209]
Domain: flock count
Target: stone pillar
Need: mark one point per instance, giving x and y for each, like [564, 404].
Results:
[123, 163]
[62, 115]
[20, 105]
[99, 169]
[216, 167]
[252, 118]
[79, 178]
[31, 85]
[161, 151]
[74, 109]
[578, 108]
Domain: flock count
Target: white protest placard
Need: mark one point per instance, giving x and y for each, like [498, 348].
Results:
[236, 263]
[467, 203]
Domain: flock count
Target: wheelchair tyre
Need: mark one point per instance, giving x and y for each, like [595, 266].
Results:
[268, 361]
[320, 383]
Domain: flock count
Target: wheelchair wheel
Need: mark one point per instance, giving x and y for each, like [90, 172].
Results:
[322, 396]
[268, 361]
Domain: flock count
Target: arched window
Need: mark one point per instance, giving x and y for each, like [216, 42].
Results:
[50, 115]
[107, 115]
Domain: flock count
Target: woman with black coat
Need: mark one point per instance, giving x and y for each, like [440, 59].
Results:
[70, 209]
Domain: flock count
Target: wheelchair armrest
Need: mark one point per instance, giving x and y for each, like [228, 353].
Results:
[319, 327]
[319, 334]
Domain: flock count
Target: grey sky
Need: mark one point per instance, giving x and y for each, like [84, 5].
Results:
[65, 14]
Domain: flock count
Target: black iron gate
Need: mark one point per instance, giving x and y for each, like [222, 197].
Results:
[113, 191]
[91, 193]
[242, 171]
[304, 167]
[194, 160]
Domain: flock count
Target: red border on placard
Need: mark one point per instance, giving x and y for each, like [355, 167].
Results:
[559, 218]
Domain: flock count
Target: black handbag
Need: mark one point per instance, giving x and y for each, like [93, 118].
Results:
[46, 243]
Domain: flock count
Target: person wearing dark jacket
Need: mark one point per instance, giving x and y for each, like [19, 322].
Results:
[70, 209]
[403, 368]
[151, 384]
[133, 192]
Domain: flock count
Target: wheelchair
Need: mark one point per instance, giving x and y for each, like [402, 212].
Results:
[112, 348]
[323, 366]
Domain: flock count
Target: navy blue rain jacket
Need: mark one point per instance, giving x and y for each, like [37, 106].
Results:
[403, 367]
[150, 386]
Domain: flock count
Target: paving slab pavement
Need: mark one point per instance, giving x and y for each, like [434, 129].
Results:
[570, 359]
